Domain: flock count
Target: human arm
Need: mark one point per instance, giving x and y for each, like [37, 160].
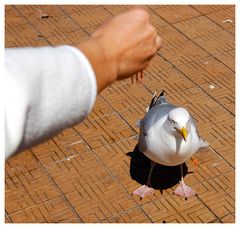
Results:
[49, 89]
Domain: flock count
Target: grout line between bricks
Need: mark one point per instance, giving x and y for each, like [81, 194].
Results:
[121, 213]
[9, 218]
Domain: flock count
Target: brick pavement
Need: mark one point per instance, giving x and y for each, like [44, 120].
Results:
[86, 174]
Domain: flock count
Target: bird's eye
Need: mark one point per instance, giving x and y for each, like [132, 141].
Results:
[173, 122]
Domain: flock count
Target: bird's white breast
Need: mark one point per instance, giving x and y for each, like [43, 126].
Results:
[168, 149]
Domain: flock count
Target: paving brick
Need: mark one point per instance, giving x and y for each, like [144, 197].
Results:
[157, 21]
[228, 219]
[39, 14]
[172, 38]
[209, 165]
[137, 95]
[117, 9]
[101, 108]
[215, 197]
[160, 81]
[20, 163]
[13, 17]
[208, 70]
[154, 6]
[223, 91]
[20, 31]
[57, 29]
[46, 152]
[165, 209]
[176, 13]
[28, 189]
[193, 210]
[67, 138]
[71, 38]
[87, 16]
[216, 81]
[24, 35]
[131, 107]
[157, 65]
[52, 211]
[100, 200]
[184, 53]
[224, 18]
[226, 148]
[221, 45]
[92, 130]
[76, 172]
[134, 215]
[197, 27]
[119, 161]
[49, 152]
[206, 9]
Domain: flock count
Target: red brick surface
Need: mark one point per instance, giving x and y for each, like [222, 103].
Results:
[86, 174]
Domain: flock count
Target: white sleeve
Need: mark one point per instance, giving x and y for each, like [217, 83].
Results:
[46, 90]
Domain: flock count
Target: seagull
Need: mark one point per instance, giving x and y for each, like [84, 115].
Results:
[168, 136]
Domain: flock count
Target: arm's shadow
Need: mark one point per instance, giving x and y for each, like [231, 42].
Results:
[163, 177]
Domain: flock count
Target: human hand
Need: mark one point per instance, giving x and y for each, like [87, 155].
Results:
[131, 40]
[122, 46]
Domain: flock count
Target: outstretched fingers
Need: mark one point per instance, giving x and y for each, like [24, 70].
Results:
[138, 77]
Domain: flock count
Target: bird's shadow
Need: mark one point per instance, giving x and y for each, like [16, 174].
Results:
[163, 177]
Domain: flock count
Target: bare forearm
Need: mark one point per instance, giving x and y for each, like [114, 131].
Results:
[103, 64]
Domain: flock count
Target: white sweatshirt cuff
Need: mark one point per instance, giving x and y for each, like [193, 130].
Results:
[91, 74]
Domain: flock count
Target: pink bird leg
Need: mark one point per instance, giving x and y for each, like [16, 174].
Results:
[184, 190]
[143, 191]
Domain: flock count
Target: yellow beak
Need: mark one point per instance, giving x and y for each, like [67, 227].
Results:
[183, 133]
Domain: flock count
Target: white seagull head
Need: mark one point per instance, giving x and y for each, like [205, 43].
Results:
[179, 120]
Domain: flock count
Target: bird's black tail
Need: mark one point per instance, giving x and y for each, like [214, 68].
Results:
[161, 94]
[157, 99]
